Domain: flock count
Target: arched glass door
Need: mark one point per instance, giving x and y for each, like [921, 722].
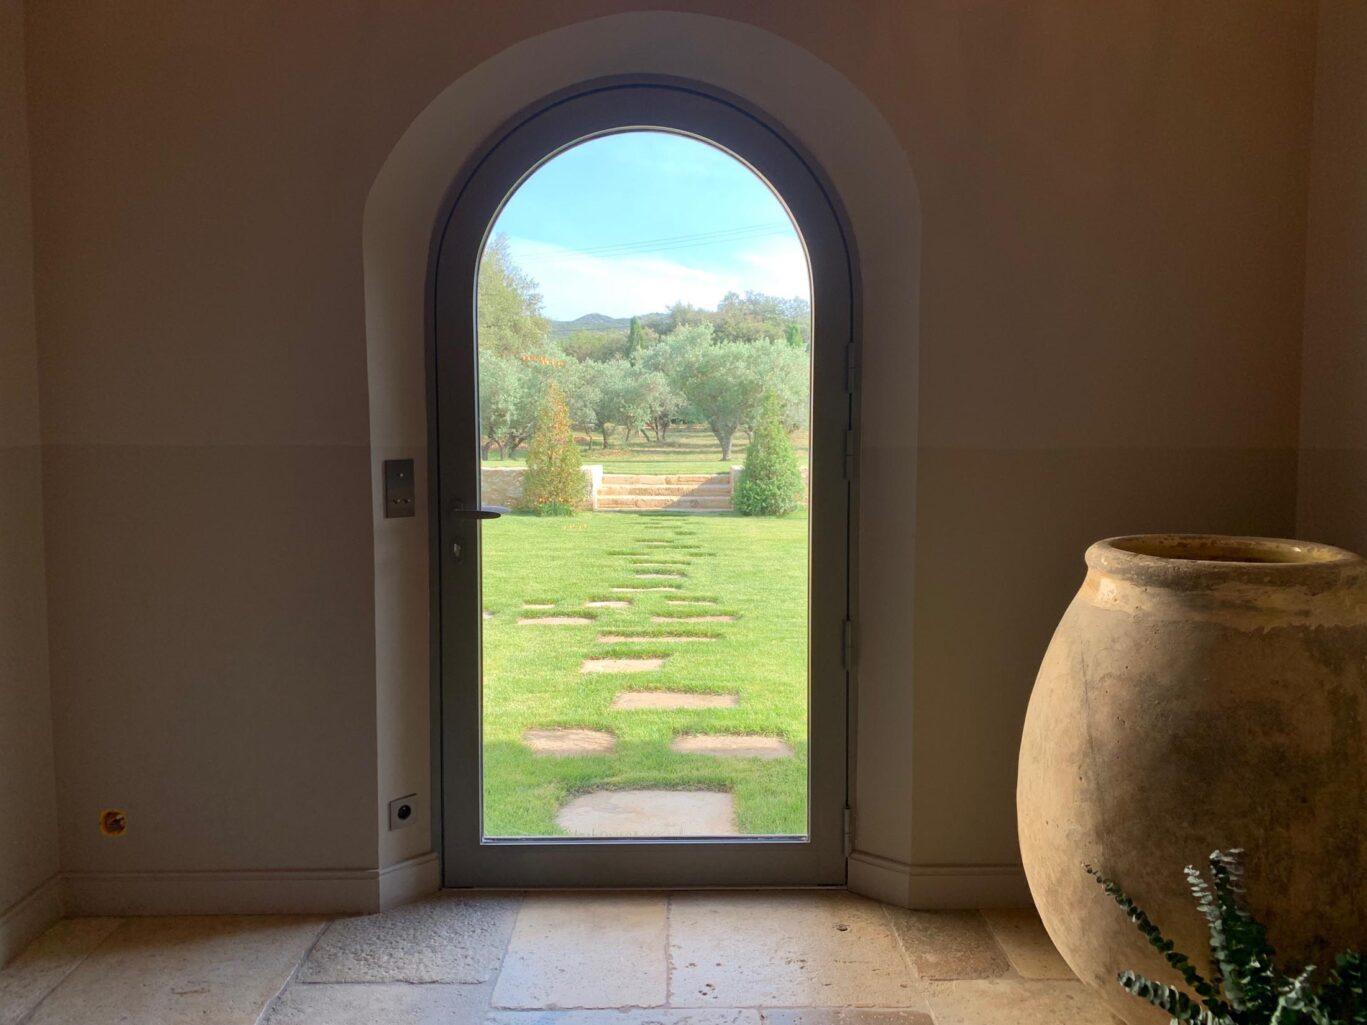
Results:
[642, 328]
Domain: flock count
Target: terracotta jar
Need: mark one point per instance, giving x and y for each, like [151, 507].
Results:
[1201, 692]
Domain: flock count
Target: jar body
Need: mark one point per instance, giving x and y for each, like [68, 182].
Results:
[1189, 709]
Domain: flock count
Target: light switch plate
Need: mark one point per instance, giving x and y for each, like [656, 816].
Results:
[403, 811]
[400, 489]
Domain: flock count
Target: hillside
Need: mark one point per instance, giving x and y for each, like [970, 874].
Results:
[589, 322]
[598, 322]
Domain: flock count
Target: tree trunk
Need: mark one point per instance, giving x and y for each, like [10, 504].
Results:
[725, 439]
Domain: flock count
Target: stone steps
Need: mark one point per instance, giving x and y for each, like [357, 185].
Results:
[700, 490]
[692, 492]
[715, 503]
[667, 478]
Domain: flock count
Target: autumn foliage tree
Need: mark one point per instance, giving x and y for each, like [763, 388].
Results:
[554, 483]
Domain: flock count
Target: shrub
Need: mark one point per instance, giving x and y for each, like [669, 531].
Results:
[554, 484]
[771, 483]
[1244, 986]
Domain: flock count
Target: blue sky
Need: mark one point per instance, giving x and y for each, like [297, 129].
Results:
[632, 222]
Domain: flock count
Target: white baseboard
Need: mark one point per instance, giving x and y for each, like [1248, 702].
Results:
[281, 892]
[409, 880]
[25, 920]
[938, 887]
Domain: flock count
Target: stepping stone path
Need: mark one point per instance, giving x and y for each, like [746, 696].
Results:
[621, 665]
[649, 813]
[562, 743]
[731, 745]
[488, 614]
[647, 638]
[664, 551]
[670, 700]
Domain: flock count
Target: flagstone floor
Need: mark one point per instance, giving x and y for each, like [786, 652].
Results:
[814, 957]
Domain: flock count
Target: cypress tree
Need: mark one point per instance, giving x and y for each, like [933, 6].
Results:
[771, 483]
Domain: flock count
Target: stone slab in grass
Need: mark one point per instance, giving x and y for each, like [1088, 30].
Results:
[662, 639]
[628, 590]
[731, 745]
[554, 621]
[659, 576]
[648, 638]
[649, 813]
[565, 742]
[613, 603]
[488, 614]
[621, 665]
[538, 605]
[670, 700]
[692, 619]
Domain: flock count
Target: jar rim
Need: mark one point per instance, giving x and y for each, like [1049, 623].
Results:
[1217, 558]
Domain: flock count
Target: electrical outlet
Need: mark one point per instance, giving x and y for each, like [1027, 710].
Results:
[402, 811]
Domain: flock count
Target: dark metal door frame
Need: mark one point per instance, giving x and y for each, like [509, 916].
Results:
[477, 195]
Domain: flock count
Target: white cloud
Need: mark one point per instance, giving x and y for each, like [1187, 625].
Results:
[573, 284]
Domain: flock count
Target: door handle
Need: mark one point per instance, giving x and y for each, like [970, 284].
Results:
[486, 512]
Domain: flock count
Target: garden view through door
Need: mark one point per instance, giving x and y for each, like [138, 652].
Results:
[644, 340]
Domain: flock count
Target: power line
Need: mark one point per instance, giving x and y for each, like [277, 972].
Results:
[569, 256]
[739, 234]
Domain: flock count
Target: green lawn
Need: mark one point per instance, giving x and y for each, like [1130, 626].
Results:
[686, 450]
[755, 569]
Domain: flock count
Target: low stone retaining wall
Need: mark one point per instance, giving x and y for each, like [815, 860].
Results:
[502, 485]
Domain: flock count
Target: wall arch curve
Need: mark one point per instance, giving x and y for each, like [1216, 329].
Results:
[848, 138]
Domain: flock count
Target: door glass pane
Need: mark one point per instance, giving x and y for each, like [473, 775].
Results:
[644, 337]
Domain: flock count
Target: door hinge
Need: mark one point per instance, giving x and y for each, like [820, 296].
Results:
[851, 371]
[847, 646]
[849, 455]
[849, 830]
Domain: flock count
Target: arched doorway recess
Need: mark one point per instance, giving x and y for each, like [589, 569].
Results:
[868, 169]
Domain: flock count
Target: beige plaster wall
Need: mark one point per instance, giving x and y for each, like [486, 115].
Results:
[1333, 466]
[1113, 221]
[198, 187]
[28, 841]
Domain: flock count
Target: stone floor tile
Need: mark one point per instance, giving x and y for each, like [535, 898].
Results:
[585, 950]
[1027, 945]
[844, 1016]
[949, 944]
[47, 961]
[379, 1003]
[812, 949]
[445, 938]
[663, 1016]
[177, 971]
[1012, 1001]
[649, 813]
